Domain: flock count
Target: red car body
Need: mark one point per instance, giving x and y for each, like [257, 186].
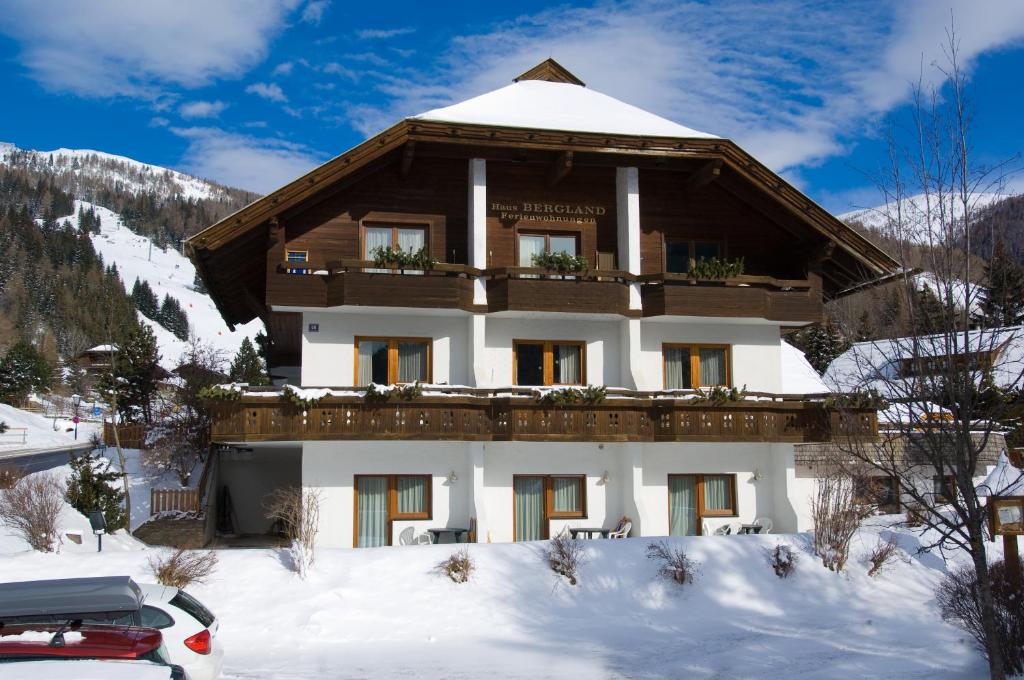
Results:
[96, 642]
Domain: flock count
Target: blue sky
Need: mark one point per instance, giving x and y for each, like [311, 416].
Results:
[254, 92]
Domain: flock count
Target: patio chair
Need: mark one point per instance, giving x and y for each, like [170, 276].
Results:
[730, 529]
[406, 537]
[426, 538]
[765, 523]
[622, 530]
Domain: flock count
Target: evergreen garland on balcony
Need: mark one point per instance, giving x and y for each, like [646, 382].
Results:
[591, 394]
[219, 393]
[402, 259]
[719, 395]
[560, 261]
[713, 269]
[293, 397]
[862, 399]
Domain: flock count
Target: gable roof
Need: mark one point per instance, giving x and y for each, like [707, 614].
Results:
[551, 71]
[543, 105]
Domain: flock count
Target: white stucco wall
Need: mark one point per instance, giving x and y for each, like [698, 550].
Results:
[601, 337]
[328, 356]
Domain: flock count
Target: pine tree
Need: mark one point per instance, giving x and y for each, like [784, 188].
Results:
[929, 310]
[198, 285]
[145, 299]
[1002, 296]
[172, 317]
[23, 370]
[247, 366]
[90, 488]
[821, 343]
[865, 329]
[133, 375]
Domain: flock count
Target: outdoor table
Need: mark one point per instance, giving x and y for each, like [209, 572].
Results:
[588, 531]
[458, 535]
[750, 529]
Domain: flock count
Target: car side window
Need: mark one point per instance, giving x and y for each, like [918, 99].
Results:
[155, 618]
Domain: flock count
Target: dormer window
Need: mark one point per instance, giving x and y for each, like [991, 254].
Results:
[297, 257]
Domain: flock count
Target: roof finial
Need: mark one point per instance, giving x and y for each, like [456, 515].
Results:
[551, 71]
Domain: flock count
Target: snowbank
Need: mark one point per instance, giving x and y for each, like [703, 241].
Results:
[40, 435]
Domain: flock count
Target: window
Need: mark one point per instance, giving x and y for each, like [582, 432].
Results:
[387, 361]
[410, 239]
[549, 362]
[691, 498]
[382, 499]
[537, 244]
[679, 252]
[944, 487]
[155, 618]
[537, 499]
[297, 255]
[693, 366]
[880, 491]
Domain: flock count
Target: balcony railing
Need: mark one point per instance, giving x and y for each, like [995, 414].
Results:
[516, 415]
[450, 286]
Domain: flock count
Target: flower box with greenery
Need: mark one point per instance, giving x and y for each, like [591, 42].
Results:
[715, 269]
[561, 262]
[591, 394]
[402, 259]
[719, 395]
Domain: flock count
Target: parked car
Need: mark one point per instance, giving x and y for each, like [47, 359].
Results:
[76, 650]
[188, 627]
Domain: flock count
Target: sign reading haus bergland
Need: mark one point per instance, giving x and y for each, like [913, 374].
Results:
[547, 212]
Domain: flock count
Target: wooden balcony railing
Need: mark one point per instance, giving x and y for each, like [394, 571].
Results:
[450, 286]
[469, 414]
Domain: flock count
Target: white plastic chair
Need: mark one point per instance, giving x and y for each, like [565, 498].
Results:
[426, 538]
[765, 523]
[621, 531]
[406, 537]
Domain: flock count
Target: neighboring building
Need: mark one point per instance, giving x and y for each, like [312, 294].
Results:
[496, 190]
[96, 361]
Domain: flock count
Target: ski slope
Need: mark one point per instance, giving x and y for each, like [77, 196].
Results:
[167, 272]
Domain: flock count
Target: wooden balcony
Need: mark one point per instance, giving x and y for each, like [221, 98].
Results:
[360, 283]
[744, 296]
[509, 415]
[531, 289]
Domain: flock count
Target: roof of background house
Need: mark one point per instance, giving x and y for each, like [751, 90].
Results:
[798, 376]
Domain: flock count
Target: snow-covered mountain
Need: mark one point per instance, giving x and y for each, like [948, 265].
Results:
[908, 218]
[167, 272]
[85, 167]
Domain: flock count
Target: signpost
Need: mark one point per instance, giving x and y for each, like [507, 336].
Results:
[1006, 515]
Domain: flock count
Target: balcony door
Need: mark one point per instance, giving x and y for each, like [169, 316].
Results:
[408, 239]
[535, 245]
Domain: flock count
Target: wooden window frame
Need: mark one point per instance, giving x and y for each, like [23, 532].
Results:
[691, 248]
[702, 511]
[872, 497]
[393, 514]
[694, 349]
[547, 234]
[393, 356]
[394, 224]
[948, 481]
[549, 361]
[549, 501]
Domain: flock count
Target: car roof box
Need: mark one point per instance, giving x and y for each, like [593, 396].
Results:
[69, 596]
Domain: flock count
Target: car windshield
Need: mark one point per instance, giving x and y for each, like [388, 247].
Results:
[193, 608]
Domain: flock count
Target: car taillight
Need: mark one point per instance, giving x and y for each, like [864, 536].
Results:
[201, 642]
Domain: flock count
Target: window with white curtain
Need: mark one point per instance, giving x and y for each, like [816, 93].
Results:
[387, 361]
[539, 498]
[549, 362]
[691, 498]
[566, 496]
[689, 366]
[409, 239]
[411, 495]
[381, 499]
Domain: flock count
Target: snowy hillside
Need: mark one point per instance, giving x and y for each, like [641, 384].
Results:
[113, 171]
[912, 212]
[168, 272]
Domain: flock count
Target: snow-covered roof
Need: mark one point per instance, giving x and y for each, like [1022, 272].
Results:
[543, 105]
[798, 376]
[1004, 480]
[102, 349]
[876, 363]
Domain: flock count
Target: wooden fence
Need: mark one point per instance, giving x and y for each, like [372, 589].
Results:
[131, 436]
[166, 500]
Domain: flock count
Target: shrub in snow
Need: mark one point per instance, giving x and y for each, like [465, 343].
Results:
[957, 596]
[565, 555]
[836, 517]
[298, 511]
[783, 560]
[90, 487]
[3, 427]
[9, 474]
[458, 566]
[881, 555]
[674, 563]
[31, 507]
[182, 567]
[915, 516]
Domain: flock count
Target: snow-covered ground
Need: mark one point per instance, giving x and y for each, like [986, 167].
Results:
[168, 272]
[386, 612]
[40, 432]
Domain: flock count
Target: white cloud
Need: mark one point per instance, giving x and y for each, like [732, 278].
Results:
[383, 33]
[283, 69]
[256, 164]
[270, 91]
[159, 121]
[793, 85]
[110, 48]
[313, 12]
[201, 109]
